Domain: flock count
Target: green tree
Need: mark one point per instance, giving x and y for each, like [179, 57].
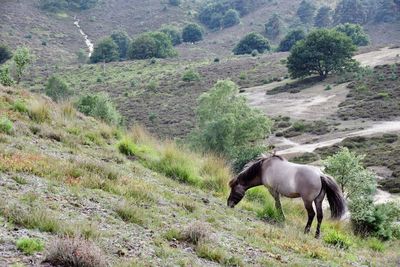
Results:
[274, 27]
[5, 53]
[192, 33]
[100, 106]
[291, 39]
[355, 32]
[57, 89]
[323, 51]
[306, 11]
[122, 40]
[252, 41]
[231, 18]
[173, 33]
[386, 11]
[151, 45]
[323, 19]
[106, 50]
[22, 59]
[351, 11]
[226, 124]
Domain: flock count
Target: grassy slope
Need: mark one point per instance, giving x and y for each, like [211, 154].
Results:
[66, 176]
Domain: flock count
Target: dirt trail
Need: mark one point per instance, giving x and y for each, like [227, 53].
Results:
[379, 57]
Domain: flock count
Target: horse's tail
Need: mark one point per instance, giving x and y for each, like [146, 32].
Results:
[336, 200]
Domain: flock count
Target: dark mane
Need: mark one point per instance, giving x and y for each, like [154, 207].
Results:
[252, 168]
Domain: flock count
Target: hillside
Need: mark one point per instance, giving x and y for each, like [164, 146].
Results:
[61, 174]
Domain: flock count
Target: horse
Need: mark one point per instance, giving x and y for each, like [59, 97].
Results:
[291, 180]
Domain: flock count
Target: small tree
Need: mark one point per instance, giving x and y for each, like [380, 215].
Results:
[151, 45]
[5, 53]
[57, 89]
[226, 124]
[106, 50]
[351, 11]
[306, 11]
[5, 78]
[192, 33]
[249, 43]
[122, 40]
[274, 27]
[22, 59]
[323, 19]
[323, 51]
[291, 39]
[231, 18]
[355, 32]
[173, 33]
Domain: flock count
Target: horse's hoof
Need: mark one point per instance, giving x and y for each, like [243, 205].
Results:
[317, 236]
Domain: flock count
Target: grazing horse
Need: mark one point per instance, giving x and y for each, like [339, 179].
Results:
[282, 177]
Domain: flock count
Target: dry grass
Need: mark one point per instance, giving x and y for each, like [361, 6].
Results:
[75, 252]
[39, 111]
[197, 232]
[131, 213]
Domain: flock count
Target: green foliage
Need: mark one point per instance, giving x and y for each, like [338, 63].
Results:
[130, 213]
[192, 33]
[99, 106]
[291, 39]
[323, 19]
[226, 124]
[231, 18]
[5, 78]
[323, 51]
[355, 32]
[5, 53]
[29, 245]
[190, 76]
[306, 11]
[60, 5]
[252, 41]
[19, 106]
[57, 89]
[22, 59]
[274, 27]
[337, 239]
[351, 11]
[106, 50]
[173, 33]
[376, 245]
[6, 126]
[122, 40]
[82, 56]
[151, 45]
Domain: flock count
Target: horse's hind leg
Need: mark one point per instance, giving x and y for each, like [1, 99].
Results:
[320, 213]
[311, 214]
[278, 204]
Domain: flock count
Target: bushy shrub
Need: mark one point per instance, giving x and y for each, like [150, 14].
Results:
[291, 39]
[151, 45]
[29, 245]
[22, 59]
[5, 53]
[231, 18]
[106, 50]
[6, 126]
[226, 125]
[337, 239]
[355, 32]
[57, 89]
[173, 33]
[19, 106]
[99, 106]
[5, 78]
[192, 33]
[252, 41]
[190, 76]
[121, 38]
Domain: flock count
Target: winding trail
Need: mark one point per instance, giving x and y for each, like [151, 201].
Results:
[88, 43]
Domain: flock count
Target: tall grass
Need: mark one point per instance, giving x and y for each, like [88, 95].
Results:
[39, 112]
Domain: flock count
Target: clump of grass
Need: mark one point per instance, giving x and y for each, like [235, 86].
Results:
[19, 179]
[130, 213]
[6, 126]
[75, 252]
[216, 173]
[19, 106]
[337, 239]
[187, 205]
[190, 76]
[39, 112]
[196, 233]
[127, 147]
[376, 245]
[68, 110]
[29, 245]
[173, 234]
[206, 251]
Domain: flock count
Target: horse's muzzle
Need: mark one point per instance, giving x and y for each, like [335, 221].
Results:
[231, 204]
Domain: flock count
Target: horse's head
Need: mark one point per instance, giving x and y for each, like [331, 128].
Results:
[237, 193]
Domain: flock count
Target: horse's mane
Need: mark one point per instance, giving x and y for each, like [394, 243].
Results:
[253, 168]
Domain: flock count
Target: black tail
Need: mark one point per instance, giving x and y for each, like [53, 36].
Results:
[335, 197]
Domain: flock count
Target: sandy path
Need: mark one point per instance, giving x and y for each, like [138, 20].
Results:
[379, 57]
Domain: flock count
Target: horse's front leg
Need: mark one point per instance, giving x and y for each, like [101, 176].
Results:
[278, 204]
[311, 215]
